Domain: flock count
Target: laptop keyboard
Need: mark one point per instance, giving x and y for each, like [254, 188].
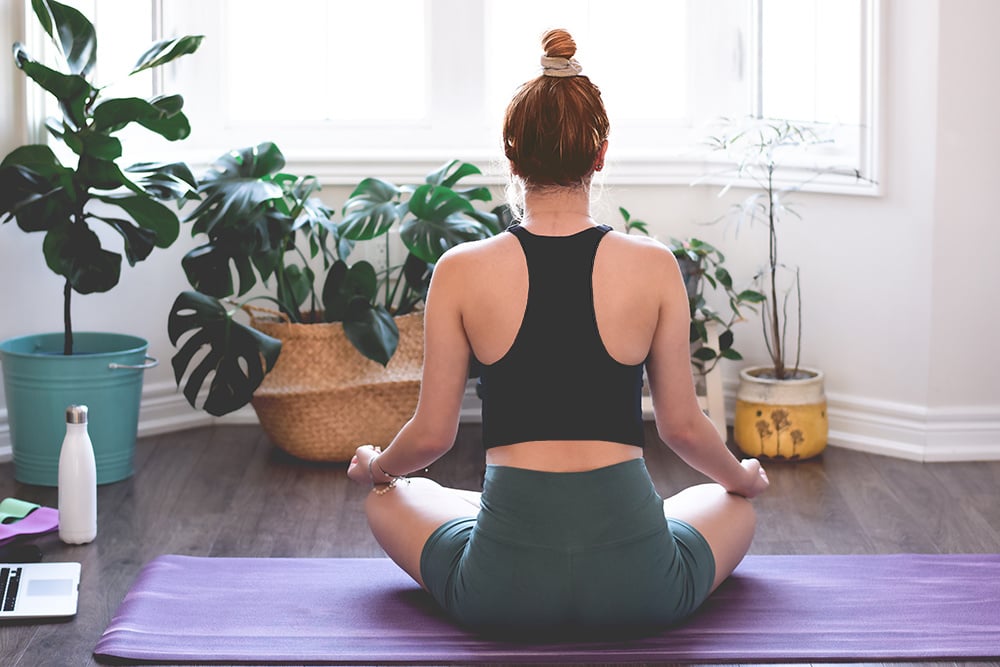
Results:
[10, 581]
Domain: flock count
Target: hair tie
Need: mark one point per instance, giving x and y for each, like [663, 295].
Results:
[560, 67]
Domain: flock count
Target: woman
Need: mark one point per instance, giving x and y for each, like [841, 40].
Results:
[563, 314]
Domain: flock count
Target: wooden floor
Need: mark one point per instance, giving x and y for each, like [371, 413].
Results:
[225, 491]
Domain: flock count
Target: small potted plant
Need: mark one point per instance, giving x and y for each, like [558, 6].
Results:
[348, 334]
[780, 407]
[45, 373]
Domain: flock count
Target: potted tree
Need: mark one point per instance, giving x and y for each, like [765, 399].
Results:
[45, 373]
[780, 407]
[348, 334]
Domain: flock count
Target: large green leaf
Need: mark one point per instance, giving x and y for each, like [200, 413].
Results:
[451, 172]
[417, 273]
[371, 210]
[344, 284]
[35, 188]
[371, 330]
[240, 217]
[440, 222]
[73, 91]
[166, 180]
[74, 251]
[94, 144]
[295, 286]
[334, 296]
[208, 269]
[237, 356]
[71, 30]
[31, 200]
[161, 115]
[39, 158]
[101, 174]
[167, 50]
[148, 214]
[417, 277]
[235, 192]
[138, 243]
[489, 219]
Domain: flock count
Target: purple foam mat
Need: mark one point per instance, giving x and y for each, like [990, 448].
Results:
[774, 608]
[40, 521]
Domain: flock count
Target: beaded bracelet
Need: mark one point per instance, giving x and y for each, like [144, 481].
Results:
[393, 479]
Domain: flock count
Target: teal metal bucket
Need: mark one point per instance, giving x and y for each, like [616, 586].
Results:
[104, 373]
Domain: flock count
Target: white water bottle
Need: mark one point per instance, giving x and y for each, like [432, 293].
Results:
[77, 481]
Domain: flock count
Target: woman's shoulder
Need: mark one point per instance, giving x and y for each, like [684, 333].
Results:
[474, 256]
[476, 251]
[643, 250]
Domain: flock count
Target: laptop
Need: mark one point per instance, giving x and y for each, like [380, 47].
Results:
[38, 590]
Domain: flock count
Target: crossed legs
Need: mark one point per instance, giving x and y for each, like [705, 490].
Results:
[403, 518]
[726, 521]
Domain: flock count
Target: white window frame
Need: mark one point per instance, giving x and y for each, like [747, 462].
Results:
[674, 162]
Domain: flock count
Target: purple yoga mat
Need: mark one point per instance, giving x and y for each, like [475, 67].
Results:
[774, 608]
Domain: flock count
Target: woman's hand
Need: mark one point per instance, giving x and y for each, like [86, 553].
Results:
[756, 481]
[359, 469]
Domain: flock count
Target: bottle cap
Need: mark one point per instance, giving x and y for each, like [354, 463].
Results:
[76, 414]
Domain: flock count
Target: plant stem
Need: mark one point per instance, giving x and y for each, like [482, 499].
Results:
[67, 319]
[777, 352]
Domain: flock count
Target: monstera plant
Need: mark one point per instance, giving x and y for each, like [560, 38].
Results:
[265, 226]
[44, 195]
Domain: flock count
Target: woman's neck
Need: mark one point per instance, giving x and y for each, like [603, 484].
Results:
[557, 211]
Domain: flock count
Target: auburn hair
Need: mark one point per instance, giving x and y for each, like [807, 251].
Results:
[554, 126]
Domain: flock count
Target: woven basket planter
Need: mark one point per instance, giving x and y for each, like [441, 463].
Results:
[323, 398]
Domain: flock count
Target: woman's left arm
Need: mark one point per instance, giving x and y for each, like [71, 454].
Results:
[430, 433]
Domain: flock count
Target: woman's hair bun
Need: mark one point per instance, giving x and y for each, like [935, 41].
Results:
[558, 43]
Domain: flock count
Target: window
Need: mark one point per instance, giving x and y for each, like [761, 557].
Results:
[395, 87]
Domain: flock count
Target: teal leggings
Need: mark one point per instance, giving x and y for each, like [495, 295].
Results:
[567, 551]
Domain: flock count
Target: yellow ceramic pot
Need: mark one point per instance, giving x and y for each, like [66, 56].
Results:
[780, 419]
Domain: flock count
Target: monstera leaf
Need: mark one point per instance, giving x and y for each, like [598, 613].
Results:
[371, 210]
[441, 218]
[237, 356]
[349, 296]
[240, 215]
[372, 330]
[236, 192]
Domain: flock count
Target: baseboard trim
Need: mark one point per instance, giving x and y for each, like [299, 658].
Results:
[886, 428]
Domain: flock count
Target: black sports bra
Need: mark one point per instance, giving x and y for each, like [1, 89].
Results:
[557, 380]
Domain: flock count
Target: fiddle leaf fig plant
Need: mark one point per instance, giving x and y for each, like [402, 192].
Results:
[44, 195]
[262, 223]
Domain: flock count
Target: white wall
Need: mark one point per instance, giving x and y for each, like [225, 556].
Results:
[965, 363]
[899, 289]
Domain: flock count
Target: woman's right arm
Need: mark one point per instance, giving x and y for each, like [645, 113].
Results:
[430, 433]
[680, 421]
